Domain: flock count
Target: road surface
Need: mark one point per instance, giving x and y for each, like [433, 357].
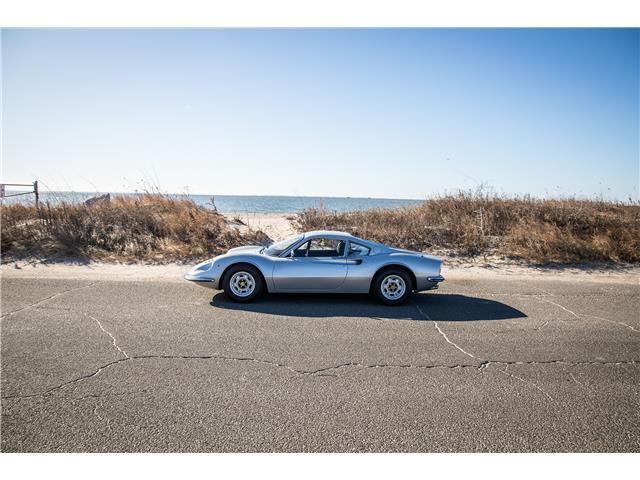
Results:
[494, 364]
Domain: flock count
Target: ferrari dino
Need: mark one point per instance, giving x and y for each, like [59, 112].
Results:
[322, 262]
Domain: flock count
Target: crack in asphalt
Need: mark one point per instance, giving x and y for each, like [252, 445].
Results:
[325, 371]
[542, 325]
[318, 372]
[86, 377]
[576, 380]
[104, 395]
[104, 420]
[113, 339]
[444, 335]
[536, 386]
[51, 297]
[561, 306]
[612, 321]
[95, 412]
[576, 315]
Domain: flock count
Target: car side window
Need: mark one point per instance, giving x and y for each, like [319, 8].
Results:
[320, 247]
[357, 250]
[302, 250]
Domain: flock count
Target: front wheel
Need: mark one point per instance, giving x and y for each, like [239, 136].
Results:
[392, 287]
[242, 283]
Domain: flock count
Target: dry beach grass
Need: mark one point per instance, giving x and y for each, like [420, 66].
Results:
[472, 224]
[150, 227]
[160, 229]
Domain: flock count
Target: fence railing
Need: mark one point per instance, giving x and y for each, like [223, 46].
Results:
[34, 191]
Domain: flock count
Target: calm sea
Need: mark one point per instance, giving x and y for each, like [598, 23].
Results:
[243, 203]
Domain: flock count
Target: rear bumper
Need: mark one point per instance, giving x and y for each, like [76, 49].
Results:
[430, 283]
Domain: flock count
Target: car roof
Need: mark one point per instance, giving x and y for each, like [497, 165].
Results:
[327, 233]
[344, 236]
[376, 248]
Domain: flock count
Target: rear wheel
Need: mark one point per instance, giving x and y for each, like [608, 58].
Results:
[243, 283]
[392, 286]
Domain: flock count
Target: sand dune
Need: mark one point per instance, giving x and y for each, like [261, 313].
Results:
[276, 225]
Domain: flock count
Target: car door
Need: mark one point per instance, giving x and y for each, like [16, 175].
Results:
[360, 268]
[318, 265]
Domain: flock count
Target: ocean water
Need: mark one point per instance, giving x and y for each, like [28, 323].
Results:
[242, 203]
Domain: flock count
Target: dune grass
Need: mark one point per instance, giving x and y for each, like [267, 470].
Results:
[157, 228]
[149, 227]
[471, 224]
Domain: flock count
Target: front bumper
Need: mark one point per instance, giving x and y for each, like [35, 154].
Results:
[202, 281]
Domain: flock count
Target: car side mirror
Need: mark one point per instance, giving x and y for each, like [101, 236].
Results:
[292, 254]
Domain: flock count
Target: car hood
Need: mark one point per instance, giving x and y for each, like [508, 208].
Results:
[243, 250]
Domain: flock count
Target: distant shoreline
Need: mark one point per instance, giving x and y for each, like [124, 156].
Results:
[248, 204]
[172, 194]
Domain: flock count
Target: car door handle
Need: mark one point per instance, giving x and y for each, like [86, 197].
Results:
[356, 261]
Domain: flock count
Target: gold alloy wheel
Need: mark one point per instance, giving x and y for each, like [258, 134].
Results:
[242, 284]
[393, 287]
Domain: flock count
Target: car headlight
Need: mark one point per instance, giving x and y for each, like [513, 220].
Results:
[203, 267]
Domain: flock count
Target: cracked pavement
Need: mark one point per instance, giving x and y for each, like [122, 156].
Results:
[499, 364]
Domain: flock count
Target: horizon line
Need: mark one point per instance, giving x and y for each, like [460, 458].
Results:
[576, 196]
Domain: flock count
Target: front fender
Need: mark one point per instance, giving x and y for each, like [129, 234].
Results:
[222, 264]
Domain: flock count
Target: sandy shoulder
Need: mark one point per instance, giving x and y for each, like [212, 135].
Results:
[136, 272]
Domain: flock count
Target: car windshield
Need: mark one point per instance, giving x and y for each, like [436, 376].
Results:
[277, 248]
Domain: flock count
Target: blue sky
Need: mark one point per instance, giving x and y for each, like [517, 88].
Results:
[374, 113]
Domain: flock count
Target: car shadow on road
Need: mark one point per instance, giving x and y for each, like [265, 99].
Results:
[421, 307]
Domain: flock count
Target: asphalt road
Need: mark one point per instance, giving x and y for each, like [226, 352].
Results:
[511, 364]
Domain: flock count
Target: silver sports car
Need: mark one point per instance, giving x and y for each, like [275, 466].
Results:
[323, 262]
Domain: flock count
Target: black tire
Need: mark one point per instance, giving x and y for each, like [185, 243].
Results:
[396, 278]
[245, 273]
